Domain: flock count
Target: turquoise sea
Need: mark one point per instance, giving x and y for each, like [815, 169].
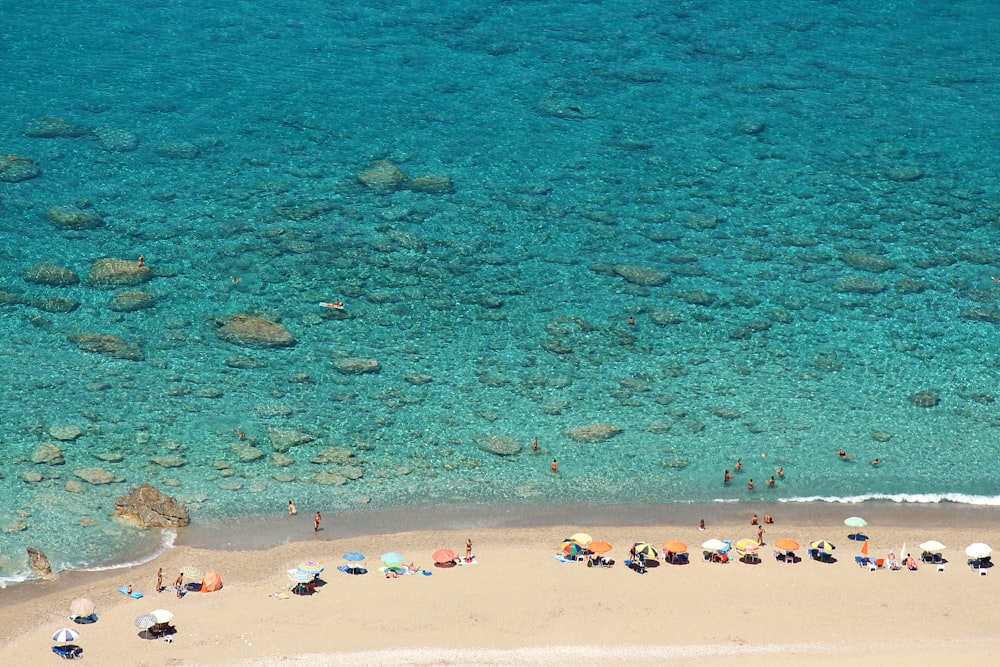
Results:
[723, 230]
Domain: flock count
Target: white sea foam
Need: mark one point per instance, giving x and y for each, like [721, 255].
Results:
[916, 498]
[168, 537]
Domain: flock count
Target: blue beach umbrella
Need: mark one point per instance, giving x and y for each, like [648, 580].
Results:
[353, 556]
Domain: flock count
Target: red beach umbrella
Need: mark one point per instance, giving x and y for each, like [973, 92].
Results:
[443, 556]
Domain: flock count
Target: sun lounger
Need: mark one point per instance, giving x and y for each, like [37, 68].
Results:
[68, 651]
[636, 566]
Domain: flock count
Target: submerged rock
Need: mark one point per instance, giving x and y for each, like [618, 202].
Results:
[70, 217]
[151, 508]
[107, 344]
[53, 127]
[110, 272]
[96, 476]
[14, 169]
[131, 301]
[356, 366]
[641, 275]
[47, 453]
[383, 177]
[53, 275]
[283, 439]
[593, 432]
[498, 444]
[255, 332]
[924, 399]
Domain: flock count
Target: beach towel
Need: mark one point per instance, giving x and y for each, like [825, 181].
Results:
[135, 594]
[85, 620]
[563, 559]
[464, 561]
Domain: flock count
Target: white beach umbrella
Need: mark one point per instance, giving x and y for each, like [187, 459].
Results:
[978, 550]
[932, 546]
[162, 615]
[713, 545]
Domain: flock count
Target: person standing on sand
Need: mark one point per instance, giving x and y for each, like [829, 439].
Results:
[468, 549]
[179, 584]
[159, 580]
[316, 520]
[760, 535]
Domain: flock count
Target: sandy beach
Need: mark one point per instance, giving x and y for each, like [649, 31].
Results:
[518, 605]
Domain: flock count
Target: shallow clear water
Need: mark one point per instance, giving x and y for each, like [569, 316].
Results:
[814, 194]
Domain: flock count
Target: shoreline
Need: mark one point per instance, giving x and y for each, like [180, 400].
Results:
[263, 532]
[518, 604]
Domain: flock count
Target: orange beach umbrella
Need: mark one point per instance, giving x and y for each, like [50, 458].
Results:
[786, 544]
[675, 546]
[864, 548]
[599, 547]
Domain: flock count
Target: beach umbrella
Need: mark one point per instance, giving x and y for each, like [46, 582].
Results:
[162, 615]
[443, 556]
[310, 566]
[193, 573]
[571, 547]
[145, 621]
[354, 556]
[932, 546]
[645, 551]
[392, 558]
[747, 546]
[582, 538]
[66, 635]
[786, 544]
[822, 545]
[82, 607]
[713, 545]
[855, 522]
[599, 547]
[675, 546]
[298, 576]
[864, 548]
[978, 550]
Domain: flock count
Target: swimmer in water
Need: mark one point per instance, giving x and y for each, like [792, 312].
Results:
[336, 305]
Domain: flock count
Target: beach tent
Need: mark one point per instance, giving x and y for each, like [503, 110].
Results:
[211, 582]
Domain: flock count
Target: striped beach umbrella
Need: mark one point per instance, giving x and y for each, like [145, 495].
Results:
[310, 566]
[145, 621]
[822, 545]
[571, 547]
[298, 576]
[66, 635]
[645, 551]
